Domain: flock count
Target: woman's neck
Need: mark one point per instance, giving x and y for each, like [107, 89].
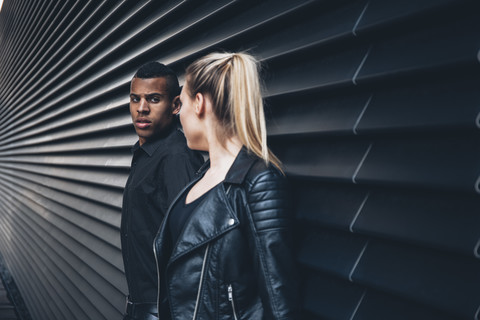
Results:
[223, 155]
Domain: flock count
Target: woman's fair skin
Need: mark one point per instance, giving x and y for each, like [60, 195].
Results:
[199, 124]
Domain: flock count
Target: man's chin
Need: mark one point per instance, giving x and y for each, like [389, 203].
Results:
[144, 137]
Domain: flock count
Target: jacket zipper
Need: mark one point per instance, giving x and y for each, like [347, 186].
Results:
[230, 298]
[158, 275]
[200, 283]
[230, 289]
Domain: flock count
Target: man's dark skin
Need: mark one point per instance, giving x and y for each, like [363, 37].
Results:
[162, 165]
[151, 108]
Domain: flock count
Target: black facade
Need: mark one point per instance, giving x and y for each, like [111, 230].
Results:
[373, 107]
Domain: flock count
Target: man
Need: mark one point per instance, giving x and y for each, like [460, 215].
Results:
[161, 166]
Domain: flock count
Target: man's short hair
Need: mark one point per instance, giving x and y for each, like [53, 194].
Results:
[156, 69]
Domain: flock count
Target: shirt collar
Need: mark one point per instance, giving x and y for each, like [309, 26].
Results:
[151, 146]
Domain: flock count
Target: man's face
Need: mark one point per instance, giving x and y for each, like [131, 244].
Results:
[151, 108]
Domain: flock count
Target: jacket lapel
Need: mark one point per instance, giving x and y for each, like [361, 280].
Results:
[159, 244]
[212, 217]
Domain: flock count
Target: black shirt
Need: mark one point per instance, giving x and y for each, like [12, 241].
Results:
[159, 170]
[180, 213]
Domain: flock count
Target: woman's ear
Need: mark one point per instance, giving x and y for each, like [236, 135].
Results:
[176, 105]
[199, 104]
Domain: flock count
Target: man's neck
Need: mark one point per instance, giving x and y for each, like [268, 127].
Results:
[159, 136]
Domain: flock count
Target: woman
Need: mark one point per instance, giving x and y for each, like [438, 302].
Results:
[224, 250]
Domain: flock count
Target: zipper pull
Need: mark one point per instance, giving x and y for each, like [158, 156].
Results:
[230, 292]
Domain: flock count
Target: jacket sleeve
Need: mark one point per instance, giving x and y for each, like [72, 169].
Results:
[271, 223]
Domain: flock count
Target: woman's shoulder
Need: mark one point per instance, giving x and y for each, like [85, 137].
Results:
[248, 169]
[264, 173]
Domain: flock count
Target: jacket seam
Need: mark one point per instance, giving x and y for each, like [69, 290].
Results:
[261, 254]
[261, 200]
[255, 179]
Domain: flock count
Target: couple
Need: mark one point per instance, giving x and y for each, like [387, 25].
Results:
[223, 249]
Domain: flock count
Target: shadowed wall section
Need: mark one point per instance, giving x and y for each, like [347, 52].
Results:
[373, 106]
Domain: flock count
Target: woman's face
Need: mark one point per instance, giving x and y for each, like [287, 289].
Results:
[192, 126]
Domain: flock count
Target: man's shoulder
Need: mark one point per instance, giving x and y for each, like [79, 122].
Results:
[177, 139]
[175, 142]
[176, 148]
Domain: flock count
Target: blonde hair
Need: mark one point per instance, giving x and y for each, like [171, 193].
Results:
[232, 82]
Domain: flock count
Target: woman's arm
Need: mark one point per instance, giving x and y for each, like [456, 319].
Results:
[271, 222]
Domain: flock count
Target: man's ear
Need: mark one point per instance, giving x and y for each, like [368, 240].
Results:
[176, 105]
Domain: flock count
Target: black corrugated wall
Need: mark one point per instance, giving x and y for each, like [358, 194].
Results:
[373, 107]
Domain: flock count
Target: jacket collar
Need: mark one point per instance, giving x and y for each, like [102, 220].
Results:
[202, 226]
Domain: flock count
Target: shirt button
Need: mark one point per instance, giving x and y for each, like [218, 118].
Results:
[231, 222]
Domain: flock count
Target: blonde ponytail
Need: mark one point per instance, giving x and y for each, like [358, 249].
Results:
[232, 81]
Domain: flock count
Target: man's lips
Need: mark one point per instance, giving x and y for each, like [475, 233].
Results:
[142, 123]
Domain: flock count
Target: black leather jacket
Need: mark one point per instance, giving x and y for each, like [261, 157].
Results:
[234, 258]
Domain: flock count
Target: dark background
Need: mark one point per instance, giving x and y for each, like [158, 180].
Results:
[373, 107]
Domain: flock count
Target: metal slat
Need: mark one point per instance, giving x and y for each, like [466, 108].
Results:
[436, 105]
[107, 141]
[58, 41]
[105, 235]
[36, 22]
[71, 267]
[95, 126]
[407, 162]
[26, 70]
[45, 46]
[44, 31]
[372, 106]
[49, 92]
[93, 194]
[405, 216]
[320, 116]
[96, 177]
[107, 160]
[383, 265]
[436, 47]
[20, 25]
[44, 279]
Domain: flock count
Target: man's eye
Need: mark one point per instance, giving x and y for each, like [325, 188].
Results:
[134, 99]
[154, 100]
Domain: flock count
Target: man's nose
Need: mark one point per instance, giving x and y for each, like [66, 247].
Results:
[143, 106]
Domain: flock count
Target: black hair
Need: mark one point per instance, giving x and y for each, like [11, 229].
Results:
[156, 69]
